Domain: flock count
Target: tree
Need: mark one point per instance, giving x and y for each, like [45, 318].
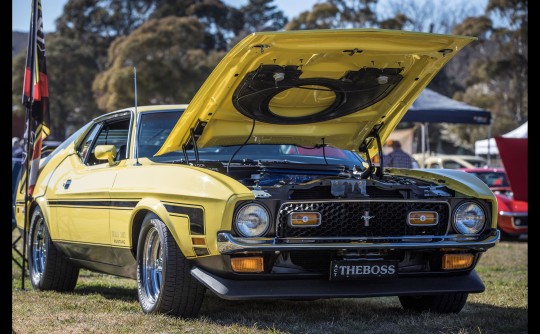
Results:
[221, 22]
[259, 15]
[498, 78]
[71, 70]
[336, 14]
[171, 64]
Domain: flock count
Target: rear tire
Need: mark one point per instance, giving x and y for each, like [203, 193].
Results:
[443, 303]
[164, 281]
[48, 268]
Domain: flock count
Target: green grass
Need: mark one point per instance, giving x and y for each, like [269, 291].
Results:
[107, 304]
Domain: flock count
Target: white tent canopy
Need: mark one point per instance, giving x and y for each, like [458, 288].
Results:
[481, 146]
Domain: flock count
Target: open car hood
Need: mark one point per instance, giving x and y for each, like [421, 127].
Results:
[333, 87]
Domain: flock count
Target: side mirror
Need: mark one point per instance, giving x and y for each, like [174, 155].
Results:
[106, 152]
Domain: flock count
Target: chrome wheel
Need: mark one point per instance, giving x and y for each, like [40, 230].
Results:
[39, 249]
[152, 266]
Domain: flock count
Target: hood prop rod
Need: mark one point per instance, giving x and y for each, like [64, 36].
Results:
[380, 170]
[364, 148]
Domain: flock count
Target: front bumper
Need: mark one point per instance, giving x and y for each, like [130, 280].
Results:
[323, 288]
[228, 244]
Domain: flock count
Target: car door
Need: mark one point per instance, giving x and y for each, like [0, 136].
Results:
[81, 187]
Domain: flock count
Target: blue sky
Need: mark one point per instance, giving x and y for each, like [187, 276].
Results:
[52, 9]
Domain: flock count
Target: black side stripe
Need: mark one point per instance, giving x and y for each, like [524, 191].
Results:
[100, 203]
[195, 215]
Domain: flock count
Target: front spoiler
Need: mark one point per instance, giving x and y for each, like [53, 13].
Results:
[324, 288]
[228, 244]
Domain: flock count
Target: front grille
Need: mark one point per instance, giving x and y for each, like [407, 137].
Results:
[343, 219]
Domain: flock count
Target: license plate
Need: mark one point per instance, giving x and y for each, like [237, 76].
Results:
[349, 270]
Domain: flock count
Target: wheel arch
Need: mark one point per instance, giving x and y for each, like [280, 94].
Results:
[179, 230]
[41, 203]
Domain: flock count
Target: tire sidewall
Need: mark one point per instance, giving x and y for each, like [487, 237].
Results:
[147, 224]
[37, 283]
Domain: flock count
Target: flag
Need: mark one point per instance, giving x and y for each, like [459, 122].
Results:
[35, 95]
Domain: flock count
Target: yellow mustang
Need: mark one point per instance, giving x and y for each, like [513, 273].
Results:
[264, 186]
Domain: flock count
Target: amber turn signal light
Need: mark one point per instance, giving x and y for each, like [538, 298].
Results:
[247, 264]
[306, 219]
[198, 241]
[457, 261]
[423, 218]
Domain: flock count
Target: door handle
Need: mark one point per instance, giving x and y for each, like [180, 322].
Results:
[66, 184]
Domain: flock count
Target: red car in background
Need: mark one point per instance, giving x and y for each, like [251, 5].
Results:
[513, 214]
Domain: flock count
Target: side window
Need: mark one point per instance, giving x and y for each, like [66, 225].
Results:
[85, 145]
[435, 165]
[452, 165]
[113, 133]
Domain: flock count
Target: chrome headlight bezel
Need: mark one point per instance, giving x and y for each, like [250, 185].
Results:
[461, 225]
[241, 225]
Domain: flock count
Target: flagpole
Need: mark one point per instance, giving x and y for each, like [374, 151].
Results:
[27, 198]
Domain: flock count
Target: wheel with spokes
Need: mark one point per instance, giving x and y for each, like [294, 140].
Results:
[49, 269]
[164, 281]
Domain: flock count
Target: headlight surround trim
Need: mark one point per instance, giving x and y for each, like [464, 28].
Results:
[257, 210]
[470, 227]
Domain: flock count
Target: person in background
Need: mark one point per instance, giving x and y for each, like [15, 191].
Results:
[398, 158]
[16, 147]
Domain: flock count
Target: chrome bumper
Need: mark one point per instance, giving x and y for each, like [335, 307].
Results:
[228, 244]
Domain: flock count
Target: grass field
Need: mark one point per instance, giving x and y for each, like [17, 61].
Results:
[107, 304]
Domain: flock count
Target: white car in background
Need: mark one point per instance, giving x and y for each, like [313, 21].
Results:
[452, 161]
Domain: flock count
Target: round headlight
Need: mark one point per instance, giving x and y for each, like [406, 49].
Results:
[469, 218]
[252, 220]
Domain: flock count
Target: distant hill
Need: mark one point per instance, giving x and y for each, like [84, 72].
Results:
[19, 41]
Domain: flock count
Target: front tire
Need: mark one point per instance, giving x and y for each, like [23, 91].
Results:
[49, 269]
[443, 303]
[164, 281]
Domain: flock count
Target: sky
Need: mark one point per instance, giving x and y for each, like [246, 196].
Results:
[52, 9]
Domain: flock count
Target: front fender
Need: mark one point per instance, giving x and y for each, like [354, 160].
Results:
[463, 183]
[178, 226]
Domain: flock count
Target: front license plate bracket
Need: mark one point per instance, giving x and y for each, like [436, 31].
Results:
[364, 269]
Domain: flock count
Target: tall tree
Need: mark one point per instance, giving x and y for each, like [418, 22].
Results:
[259, 15]
[221, 22]
[171, 64]
[99, 22]
[498, 77]
[71, 70]
[337, 14]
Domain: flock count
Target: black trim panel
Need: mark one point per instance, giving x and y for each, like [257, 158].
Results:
[99, 203]
[201, 251]
[100, 257]
[323, 288]
[194, 214]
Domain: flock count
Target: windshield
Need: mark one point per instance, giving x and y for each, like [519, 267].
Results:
[476, 163]
[492, 179]
[155, 127]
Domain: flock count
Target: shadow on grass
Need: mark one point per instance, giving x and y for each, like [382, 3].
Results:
[373, 315]
[113, 292]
